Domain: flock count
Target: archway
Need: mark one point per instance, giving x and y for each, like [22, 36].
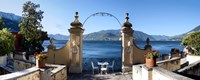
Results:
[115, 47]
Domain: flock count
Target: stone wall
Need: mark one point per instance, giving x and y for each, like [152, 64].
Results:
[193, 70]
[137, 72]
[170, 64]
[19, 55]
[27, 74]
[192, 58]
[141, 72]
[59, 73]
[160, 74]
[20, 64]
[51, 72]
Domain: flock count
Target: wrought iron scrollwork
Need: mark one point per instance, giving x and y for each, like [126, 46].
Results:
[102, 14]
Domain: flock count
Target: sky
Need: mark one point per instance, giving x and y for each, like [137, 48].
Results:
[155, 17]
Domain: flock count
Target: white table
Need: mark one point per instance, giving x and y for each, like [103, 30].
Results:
[104, 66]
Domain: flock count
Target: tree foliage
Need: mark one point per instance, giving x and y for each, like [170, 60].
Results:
[2, 24]
[30, 27]
[193, 40]
[7, 40]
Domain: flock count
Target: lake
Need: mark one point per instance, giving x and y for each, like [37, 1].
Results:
[102, 49]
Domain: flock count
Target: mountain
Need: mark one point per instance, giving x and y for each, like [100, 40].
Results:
[10, 16]
[103, 35]
[11, 21]
[160, 37]
[181, 36]
[195, 29]
[58, 36]
[115, 35]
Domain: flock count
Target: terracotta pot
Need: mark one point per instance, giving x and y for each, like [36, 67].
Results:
[40, 63]
[150, 63]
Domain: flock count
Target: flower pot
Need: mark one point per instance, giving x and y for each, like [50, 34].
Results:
[150, 63]
[40, 63]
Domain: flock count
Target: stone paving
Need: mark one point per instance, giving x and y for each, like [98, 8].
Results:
[109, 76]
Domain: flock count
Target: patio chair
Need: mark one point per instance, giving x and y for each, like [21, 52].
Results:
[94, 68]
[112, 66]
[104, 69]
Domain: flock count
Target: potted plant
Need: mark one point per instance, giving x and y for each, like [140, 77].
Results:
[151, 58]
[7, 40]
[40, 59]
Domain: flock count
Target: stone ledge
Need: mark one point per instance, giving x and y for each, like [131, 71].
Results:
[189, 66]
[57, 69]
[168, 60]
[19, 74]
[169, 75]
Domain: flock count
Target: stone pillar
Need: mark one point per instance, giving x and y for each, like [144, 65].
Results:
[76, 35]
[127, 43]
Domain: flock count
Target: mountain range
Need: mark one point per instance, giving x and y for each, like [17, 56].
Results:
[11, 21]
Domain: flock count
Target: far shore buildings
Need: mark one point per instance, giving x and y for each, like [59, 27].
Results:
[68, 60]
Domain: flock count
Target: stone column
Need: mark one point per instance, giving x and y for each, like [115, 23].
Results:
[76, 33]
[127, 43]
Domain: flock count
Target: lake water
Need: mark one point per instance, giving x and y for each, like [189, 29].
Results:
[111, 50]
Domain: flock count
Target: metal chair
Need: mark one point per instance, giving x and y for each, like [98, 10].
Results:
[104, 69]
[112, 66]
[94, 68]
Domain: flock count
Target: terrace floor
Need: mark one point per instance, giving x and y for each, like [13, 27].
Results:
[109, 76]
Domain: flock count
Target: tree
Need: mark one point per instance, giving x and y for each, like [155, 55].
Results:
[7, 40]
[30, 28]
[1, 23]
[192, 40]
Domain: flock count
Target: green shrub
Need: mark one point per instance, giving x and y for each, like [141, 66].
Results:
[193, 40]
[7, 40]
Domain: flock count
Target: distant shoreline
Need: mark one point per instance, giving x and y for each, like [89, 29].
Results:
[120, 40]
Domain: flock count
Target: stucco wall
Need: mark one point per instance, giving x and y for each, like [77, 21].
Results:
[138, 55]
[61, 56]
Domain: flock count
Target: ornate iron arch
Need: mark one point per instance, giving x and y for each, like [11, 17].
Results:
[102, 14]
